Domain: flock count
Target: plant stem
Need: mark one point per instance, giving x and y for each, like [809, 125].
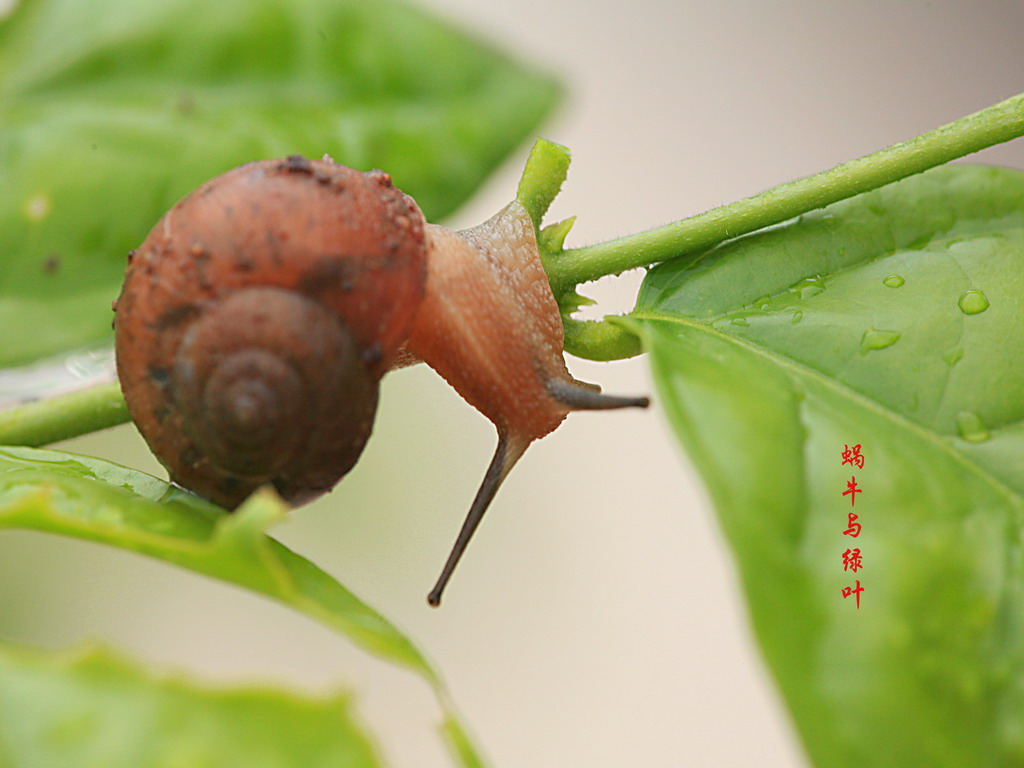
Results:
[59, 418]
[600, 340]
[1001, 122]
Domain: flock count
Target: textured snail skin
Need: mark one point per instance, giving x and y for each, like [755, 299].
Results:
[489, 324]
[308, 275]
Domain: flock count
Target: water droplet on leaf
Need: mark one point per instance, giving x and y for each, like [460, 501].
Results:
[740, 321]
[893, 281]
[797, 317]
[971, 427]
[809, 286]
[763, 302]
[874, 340]
[973, 302]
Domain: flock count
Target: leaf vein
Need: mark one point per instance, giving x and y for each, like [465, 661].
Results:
[799, 369]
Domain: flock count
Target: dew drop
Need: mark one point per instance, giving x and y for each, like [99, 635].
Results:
[973, 302]
[763, 302]
[742, 321]
[797, 317]
[874, 340]
[809, 286]
[971, 427]
[953, 356]
[893, 281]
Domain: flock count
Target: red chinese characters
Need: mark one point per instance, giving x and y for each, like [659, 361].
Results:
[852, 456]
[847, 591]
[852, 489]
[853, 560]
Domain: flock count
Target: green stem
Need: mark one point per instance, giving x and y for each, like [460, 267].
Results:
[60, 418]
[1001, 122]
[600, 339]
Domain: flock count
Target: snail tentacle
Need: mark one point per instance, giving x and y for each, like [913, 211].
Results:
[508, 452]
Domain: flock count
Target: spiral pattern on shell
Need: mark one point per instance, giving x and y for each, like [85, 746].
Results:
[257, 318]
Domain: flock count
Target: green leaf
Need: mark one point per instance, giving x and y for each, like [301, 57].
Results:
[94, 500]
[864, 323]
[94, 709]
[110, 112]
[545, 172]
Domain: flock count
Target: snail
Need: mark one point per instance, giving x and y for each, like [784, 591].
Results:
[260, 313]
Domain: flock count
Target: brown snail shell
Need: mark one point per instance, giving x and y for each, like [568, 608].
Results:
[257, 318]
[284, 398]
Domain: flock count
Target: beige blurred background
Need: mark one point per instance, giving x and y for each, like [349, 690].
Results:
[596, 618]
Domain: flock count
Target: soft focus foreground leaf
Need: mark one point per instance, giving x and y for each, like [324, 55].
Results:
[894, 320]
[87, 498]
[92, 499]
[111, 111]
[92, 709]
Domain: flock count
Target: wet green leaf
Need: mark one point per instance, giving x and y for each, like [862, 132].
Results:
[94, 500]
[111, 111]
[94, 709]
[893, 321]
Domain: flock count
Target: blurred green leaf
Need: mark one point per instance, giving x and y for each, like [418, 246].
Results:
[93, 709]
[94, 500]
[88, 498]
[111, 111]
[893, 320]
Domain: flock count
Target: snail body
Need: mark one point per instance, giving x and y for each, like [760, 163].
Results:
[490, 326]
[260, 313]
[498, 259]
